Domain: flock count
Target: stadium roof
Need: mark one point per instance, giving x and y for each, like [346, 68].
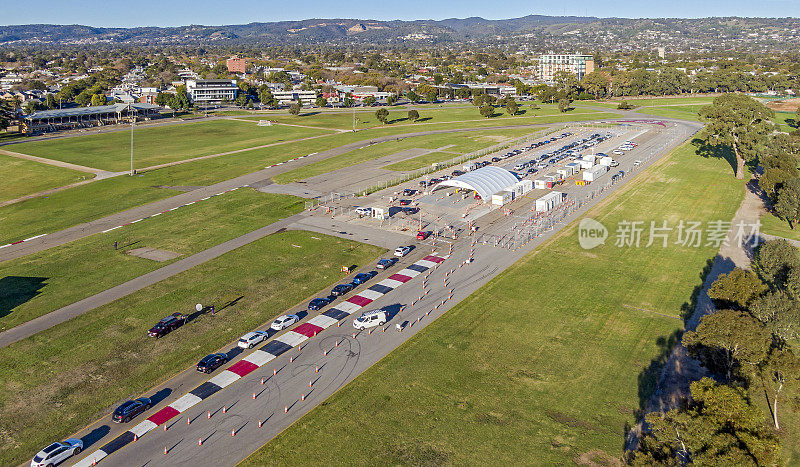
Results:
[84, 111]
[486, 181]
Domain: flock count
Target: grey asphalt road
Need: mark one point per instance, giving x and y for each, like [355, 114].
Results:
[130, 215]
[228, 438]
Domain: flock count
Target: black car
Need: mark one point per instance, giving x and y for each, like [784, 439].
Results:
[211, 362]
[318, 303]
[456, 173]
[130, 409]
[495, 159]
[362, 277]
[166, 325]
[408, 192]
[386, 263]
[341, 289]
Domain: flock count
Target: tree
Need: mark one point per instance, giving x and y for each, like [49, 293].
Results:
[98, 99]
[563, 105]
[321, 102]
[50, 101]
[736, 289]
[348, 102]
[391, 100]
[780, 368]
[787, 204]
[596, 83]
[265, 96]
[382, 115]
[779, 313]
[487, 110]
[565, 82]
[728, 338]
[740, 123]
[242, 99]
[413, 96]
[773, 260]
[431, 96]
[720, 426]
[413, 115]
[512, 107]
[479, 100]
[369, 101]
[294, 109]
[624, 105]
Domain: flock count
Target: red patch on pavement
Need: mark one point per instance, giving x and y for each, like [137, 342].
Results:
[400, 277]
[307, 329]
[435, 259]
[163, 415]
[359, 300]
[243, 367]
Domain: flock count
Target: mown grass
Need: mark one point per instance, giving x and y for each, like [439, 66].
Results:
[787, 121]
[161, 144]
[98, 199]
[773, 225]
[58, 381]
[460, 143]
[547, 363]
[26, 177]
[683, 112]
[42, 282]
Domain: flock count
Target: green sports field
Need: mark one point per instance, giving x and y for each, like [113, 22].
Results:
[161, 144]
[58, 381]
[537, 366]
[27, 177]
[66, 274]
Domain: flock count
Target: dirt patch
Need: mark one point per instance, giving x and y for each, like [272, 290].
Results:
[153, 254]
[596, 458]
[785, 105]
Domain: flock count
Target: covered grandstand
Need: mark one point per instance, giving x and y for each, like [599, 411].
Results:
[485, 181]
[84, 117]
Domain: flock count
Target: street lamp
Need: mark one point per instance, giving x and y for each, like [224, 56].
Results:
[130, 115]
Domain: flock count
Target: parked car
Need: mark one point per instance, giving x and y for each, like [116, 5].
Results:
[637, 163]
[363, 277]
[361, 211]
[318, 303]
[456, 173]
[341, 289]
[57, 453]
[409, 192]
[284, 321]
[251, 339]
[211, 362]
[167, 325]
[386, 263]
[495, 159]
[422, 235]
[405, 202]
[130, 409]
[370, 319]
[402, 251]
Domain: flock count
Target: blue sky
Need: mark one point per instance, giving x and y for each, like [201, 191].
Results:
[113, 13]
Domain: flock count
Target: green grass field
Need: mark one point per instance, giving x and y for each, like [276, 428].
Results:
[28, 177]
[683, 112]
[665, 101]
[787, 121]
[772, 225]
[462, 143]
[82, 204]
[59, 276]
[161, 144]
[58, 381]
[547, 363]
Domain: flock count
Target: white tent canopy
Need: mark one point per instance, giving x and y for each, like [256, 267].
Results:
[486, 181]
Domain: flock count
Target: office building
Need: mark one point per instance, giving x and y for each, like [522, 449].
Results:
[211, 91]
[579, 65]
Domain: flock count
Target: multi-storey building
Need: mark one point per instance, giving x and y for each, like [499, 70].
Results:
[579, 65]
[211, 91]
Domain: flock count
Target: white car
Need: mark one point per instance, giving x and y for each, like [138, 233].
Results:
[637, 163]
[251, 338]
[364, 211]
[283, 322]
[617, 152]
[370, 319]
[57, 452]
[402, 251]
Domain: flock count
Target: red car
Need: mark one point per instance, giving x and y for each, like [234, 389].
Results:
[404, 202]
[422, 235]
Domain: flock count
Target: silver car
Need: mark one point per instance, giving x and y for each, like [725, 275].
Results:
[57, 452]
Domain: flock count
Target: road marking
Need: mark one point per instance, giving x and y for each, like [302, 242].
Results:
[37, 236]
[112, 228]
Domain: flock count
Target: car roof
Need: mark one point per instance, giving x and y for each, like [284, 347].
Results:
[51, 448]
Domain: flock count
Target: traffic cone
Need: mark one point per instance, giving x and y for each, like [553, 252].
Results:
[260, 423]
[316, 369]
[337, 343]
[291, 359]
[302, 397]
[209, 415]
[224, 409]
[262, 380]
[233, 432]
[165, 450]
[383, 329]
[199, 441]
[325, 353]
[310, 383]
[274, 371]
[135, 438]
[188, 421]
[285, 408]
[339, 324]
[254, 396]
[94, 461]
[354, 335]
[369, 333]
[165, 427]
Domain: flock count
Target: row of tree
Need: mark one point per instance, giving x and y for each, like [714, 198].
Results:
[747, 346]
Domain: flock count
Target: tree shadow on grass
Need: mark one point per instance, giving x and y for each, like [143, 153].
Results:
[16, 290]
[649, 377]
[688, 308]
[720, 151]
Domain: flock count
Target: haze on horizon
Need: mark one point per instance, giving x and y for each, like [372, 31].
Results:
[206, 12]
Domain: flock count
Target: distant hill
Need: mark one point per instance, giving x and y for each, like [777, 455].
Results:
[559, 31]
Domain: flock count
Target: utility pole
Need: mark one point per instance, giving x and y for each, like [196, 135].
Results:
[354, 118]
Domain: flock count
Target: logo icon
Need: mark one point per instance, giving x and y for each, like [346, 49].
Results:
[591, 233]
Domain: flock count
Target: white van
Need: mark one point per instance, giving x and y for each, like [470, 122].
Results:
[370, 319]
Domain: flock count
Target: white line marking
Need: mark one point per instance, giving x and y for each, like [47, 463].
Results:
[259, 358]
[28, 239]
[112, 228]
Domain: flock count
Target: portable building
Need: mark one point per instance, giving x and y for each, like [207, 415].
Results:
[549, 201]
[586, 164]
[502, 197]
[594, 173]
[606, 161]
[524, 186]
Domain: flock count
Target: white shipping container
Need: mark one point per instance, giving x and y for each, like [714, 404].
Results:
[586, 164]
[468, 167]
[588, 157]
[549, 201]
[540, 183]
[594, 173]
[565, 172]
[525, 185]
[501, 198]
[606, 161]
[576, 167]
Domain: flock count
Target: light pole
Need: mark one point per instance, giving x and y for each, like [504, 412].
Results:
[130, 114]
